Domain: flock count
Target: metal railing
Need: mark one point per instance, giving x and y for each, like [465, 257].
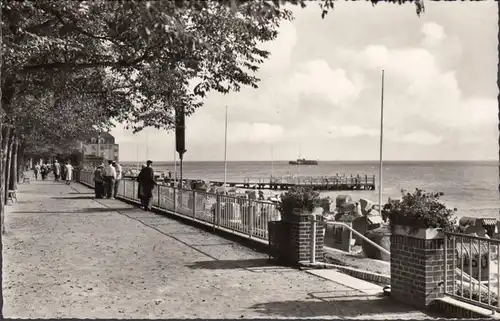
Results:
[473, 264]
[364, 238]
[241, 215]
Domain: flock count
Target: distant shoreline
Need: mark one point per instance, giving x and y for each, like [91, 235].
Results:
[330, 161]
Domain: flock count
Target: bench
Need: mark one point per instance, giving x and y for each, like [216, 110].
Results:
[11, 195]
[26, 180]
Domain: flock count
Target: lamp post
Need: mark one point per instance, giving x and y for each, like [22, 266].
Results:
[180, 144]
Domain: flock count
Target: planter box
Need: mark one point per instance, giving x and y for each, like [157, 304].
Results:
[291, 241]
[417, 265]
[423, 234]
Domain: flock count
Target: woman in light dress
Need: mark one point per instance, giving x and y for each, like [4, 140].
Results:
[69, 172]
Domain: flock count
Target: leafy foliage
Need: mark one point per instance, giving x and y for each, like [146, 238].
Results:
[299, 198]
[157, 56]
[52, 120]
[475, 295]
[420, 210]
[268, 7]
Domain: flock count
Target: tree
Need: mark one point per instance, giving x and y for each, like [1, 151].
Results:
[137, 57]
[152, 51]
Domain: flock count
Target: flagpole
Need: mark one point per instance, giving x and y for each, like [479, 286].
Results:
[272, 163]
[225, 152]
[381, 144]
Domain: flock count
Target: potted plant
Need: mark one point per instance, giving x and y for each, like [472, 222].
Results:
[419, 214]
[299, 200]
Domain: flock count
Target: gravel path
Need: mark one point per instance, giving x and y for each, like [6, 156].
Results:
[66, 255]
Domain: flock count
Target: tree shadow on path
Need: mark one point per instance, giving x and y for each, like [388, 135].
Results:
[337, 304]
[91, 210]
[82, 197]
[254, 265]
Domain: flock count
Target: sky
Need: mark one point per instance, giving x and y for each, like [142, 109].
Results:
[320, 91]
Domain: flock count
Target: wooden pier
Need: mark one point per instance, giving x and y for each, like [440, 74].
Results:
[324, 183]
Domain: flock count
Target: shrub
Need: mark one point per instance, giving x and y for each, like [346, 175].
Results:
[419, 210]
[475, 295]
[299, 198]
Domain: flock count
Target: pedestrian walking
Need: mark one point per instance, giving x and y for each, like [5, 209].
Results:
[36, 171]
[147, 183]
[119, 174]
[109, 179]
[57, 170]
[69, 172]
[63, 172]
[99, 182]
[44, 171]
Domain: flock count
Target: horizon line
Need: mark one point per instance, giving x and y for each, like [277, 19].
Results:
[338, 161]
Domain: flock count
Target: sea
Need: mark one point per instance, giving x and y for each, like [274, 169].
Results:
[469, 186]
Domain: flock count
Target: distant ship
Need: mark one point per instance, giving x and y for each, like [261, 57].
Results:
[303, 161]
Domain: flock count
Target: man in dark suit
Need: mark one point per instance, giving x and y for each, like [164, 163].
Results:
[147, 183]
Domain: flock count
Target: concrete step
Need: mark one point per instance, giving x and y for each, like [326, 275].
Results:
[348, 281]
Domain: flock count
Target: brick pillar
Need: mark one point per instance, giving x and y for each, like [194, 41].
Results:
[300, 237]
[417, 267]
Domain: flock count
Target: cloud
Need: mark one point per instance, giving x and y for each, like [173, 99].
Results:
[255, 133]
[210, 130]
[434, 34]
[421, 137]
[374, 56]
[417, 85]
[315, 77]
[281, 49]
[351, 131]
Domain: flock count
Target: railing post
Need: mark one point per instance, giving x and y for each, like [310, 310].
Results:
[250, 218]
[175, 199]
[313, 241]
[350, 238]
[194, 203]
[133, 189]
[124, 183]
[159, 193]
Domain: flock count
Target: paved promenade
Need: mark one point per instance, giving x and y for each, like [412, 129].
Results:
[66, 255]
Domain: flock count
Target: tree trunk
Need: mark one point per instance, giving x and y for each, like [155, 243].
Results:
[13, 165]
[21, 162]
[8, 167]
[6, 132]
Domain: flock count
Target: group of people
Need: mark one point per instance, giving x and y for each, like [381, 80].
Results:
[107, 180]
[64, 172]
[42, 170]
